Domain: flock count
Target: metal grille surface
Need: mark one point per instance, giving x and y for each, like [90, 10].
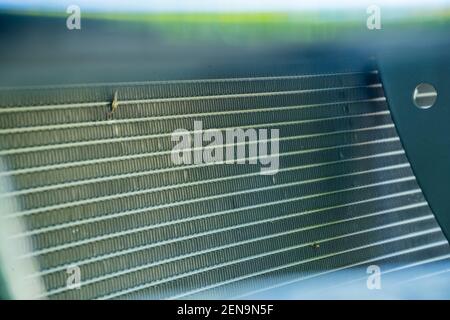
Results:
[101, 192]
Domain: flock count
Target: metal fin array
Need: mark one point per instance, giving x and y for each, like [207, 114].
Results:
[97, 189]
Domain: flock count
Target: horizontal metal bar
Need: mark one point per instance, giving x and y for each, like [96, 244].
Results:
[128, 194]
[143, 155]
[148, 285]
[235, 244]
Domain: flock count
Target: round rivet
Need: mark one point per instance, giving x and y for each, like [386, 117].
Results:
[424, 96]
